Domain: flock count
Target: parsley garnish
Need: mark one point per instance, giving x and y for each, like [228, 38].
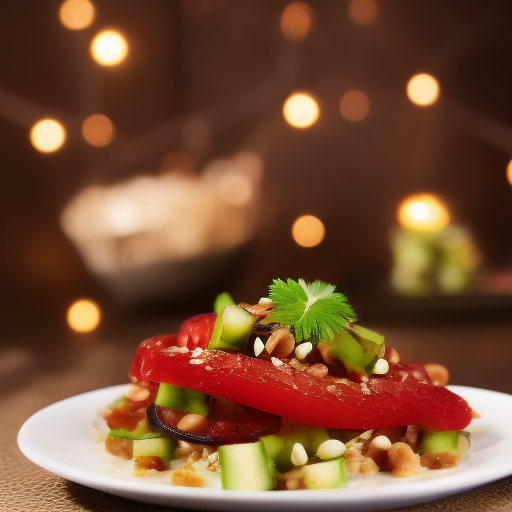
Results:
[313, 310]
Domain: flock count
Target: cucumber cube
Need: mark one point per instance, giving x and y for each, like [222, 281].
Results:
[438, 442]
[162, 447]
[325, 475]
[232, 329]
[182, 399]
[246, 467]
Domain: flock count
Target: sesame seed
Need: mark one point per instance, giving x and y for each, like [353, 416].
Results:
[331, 449]
[264, 300]
[276, 362]
[381, 367]
[299, 455]
[258, 346]
[197, 352]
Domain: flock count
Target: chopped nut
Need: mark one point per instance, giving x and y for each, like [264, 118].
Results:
[280, 343]
[331, 449]
[276, 362]
[137, 393]
[193, 424]
[392, 356]
[381, 442]
[302, 350]
[258, 346]
[438, 374]
[299, 456]
[298, 365]
[261, 310]
[318, 370]
[325, 350]
[381, 367]
[187, 476]
[403, 461]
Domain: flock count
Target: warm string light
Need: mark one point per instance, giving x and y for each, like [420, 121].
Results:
[308, 231]
[509, 172]
[423, 212]
[297, 21]
[363, 12]
[83, 315]
[423, 89]
[354, 106]
[98, 130]
[47, 135]
[76, 14]
[301, 110]
[109, 48]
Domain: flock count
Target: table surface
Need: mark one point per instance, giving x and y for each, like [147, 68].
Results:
[34, 375]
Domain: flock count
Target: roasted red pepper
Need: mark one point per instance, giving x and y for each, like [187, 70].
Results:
[404, 396]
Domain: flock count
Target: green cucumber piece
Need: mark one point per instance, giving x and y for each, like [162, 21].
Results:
[221, 301]
[246, 467]
[279, 446]
[182, 399]
[438, 442]
[325, 475]
[232, 329]
[141, 431]
[162, 447]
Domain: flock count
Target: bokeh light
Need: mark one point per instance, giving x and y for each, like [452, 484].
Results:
[301, 110]
[509, 172]
[423, 89]
[354, 105]
[76, 14]
[363, 12]
[297, 20]
[47, 135]
[83, 315]
[423, 212]
[308, 231]
[98, 130]
[109, 48]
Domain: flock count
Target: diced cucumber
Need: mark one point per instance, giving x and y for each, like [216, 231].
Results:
[246, 467]
[162, 447]
[141, 431]
[279, 446]
[325, 475]
[437, 442]
[221, 301]
[232, 329]
[182, 399]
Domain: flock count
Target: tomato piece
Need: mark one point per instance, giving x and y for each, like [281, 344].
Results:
[196, 331]
[404, 396]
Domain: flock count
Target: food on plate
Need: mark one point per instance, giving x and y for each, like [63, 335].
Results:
[288, 393]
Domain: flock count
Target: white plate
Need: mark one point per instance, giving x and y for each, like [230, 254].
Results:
[61, 438]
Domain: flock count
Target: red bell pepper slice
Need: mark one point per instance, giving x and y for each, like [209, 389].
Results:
[404, 396]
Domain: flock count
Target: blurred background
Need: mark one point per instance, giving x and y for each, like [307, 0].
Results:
[156, 153]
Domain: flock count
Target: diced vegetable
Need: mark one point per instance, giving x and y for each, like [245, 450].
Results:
[246, 467]
[232, 329]
[162, 447]
[141, 431]
[438, 442]
[325, 475]
[182, 399]
[221, 301]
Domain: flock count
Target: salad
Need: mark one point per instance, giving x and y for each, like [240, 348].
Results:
[288, 393]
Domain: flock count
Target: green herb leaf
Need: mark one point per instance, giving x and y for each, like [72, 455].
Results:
[314, 311]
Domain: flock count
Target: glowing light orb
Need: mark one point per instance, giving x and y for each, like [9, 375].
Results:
[509, 172]
[98, 130]
[109, 48]
[423, 212]
[76, 14]
[354, 105]
[363, 12]
[83, 315]
[297, 21]
[423, 89]
[301, 110]
[47, 135]
[308, 231]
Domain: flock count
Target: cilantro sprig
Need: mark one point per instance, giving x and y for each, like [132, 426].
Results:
[313, 310]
